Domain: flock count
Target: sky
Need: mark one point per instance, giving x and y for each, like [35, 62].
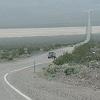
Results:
[47, 13]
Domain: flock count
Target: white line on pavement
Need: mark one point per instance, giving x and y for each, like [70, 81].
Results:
[15, 89]
[18, 91]
[11, 86]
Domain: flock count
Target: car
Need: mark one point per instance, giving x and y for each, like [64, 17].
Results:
[51, 55]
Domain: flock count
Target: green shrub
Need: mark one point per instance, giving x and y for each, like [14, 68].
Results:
[80, 55]
[52, 69]
[69, 71]
[72, 70]
[66, 58]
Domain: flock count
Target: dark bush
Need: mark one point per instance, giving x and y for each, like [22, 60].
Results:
[70, 70]
[80, 55]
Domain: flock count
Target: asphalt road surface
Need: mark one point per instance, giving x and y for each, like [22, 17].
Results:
[40, 89]
[6, 92]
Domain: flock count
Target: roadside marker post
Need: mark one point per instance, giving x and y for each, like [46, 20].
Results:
[34, 64]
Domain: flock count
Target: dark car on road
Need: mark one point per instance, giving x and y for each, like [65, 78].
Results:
[51, 55]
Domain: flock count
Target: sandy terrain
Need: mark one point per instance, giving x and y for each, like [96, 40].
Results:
[42, 89]
[45, 31]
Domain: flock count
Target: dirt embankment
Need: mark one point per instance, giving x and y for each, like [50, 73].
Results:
[42, 89]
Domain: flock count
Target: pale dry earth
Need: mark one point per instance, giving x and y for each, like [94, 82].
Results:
[6, 93]
[37, 88]
[26, 32]
[41, 89]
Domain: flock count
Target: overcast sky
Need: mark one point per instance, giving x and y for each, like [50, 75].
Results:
[47, 13]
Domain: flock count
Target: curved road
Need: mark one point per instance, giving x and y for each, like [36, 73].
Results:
[6, 92]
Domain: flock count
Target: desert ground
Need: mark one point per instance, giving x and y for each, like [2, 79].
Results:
[26, 32]
[41, 89]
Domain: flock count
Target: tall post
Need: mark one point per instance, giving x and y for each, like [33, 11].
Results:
[89, 27]
[34, 65]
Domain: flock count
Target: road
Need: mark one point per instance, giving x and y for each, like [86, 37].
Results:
[6, 92]
[9, 92]
[36, 88]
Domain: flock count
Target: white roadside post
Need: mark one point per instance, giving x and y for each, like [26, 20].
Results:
[34, 64]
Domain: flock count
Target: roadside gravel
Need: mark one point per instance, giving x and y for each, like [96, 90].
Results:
[41, 89]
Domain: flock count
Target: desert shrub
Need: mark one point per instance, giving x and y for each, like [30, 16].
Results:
[72, 70]
[52, 69]
[4, 55]
[66, 58]
[69, 71]
[80, 55]
[10, 58]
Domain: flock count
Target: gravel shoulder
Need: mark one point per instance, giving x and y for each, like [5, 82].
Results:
[41, 89]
